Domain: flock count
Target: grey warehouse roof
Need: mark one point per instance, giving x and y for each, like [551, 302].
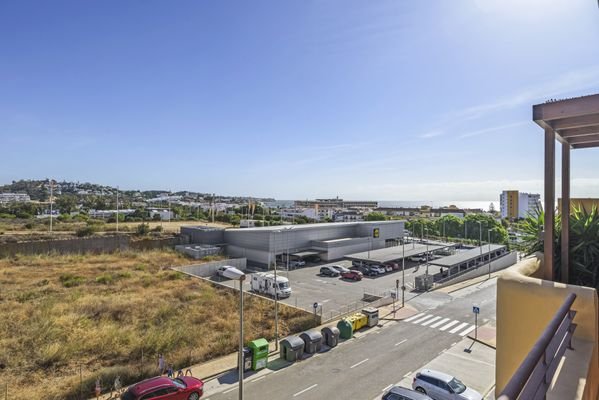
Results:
[465, 256]
[313, 226]
[394, 253]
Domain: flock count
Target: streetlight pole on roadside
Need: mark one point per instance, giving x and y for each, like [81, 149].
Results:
[276, 291]
[51, 199]
[489, 234]
[235, 274]
[403, 269]
[426, 279]
[480, 238]
[117, 209]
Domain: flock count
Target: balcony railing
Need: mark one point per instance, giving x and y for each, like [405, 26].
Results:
[532, 379]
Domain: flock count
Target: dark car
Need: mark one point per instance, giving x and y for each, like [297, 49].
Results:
[328, 271]
[340, 268]
[160, 387]
[352, 275]
[402, 393]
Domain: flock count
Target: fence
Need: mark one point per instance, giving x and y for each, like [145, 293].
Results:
[369, 300]
[208, 269]
[497, 264]
[100, 244]
[533, 378]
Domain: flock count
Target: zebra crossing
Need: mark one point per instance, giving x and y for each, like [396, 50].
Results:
[449, 325]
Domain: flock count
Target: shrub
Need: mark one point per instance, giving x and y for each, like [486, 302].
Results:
[24, 215]
[95, 221]
[142, 229]
[7, 216]
[157, 228]
[29, 225]
[70, 280]
[64, 217]
[85, 231]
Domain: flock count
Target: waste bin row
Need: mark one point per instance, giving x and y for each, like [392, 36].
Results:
[310, 342]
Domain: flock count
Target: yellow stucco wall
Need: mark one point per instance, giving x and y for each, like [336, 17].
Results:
[584, 203]
[525, 305]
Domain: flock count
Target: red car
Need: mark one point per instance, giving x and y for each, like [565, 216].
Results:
[163, 388]
[352, 274]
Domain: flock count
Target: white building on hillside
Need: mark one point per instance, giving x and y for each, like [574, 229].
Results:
[14, 198]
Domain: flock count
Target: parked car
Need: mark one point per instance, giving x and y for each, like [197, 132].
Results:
[352, 274]
[313, 259]
[327, 270]
[379, 269]
[394, 266]
[220, 271]
[360, 268]
[388, 268]
[296, 263]
[340, 268]
[160, 387]
[402, 393]
[418, 258]
[442, 386]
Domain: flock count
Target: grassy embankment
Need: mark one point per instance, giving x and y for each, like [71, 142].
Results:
[101, 312]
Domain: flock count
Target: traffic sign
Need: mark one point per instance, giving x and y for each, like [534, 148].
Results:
[393, 295]
[315, 305]
[476, 309]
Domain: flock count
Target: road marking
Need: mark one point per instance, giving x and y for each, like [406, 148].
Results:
[257, 379]
[459, 327]
[414, 317]
[467, 331]
[398, 343]
[408, 374]
[445, 327]
[361, 362]
[436, 324]
[326, 301]
[230, 390]
[386, 387]
[430, 321]
[305, 390]
[419, 320]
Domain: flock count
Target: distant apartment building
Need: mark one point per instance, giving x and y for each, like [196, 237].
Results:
[317, 214]
[422, 212]
[335, 203]
[109, 213]
[14, 198]
[586, 204]
[516, 205]
[348, 216]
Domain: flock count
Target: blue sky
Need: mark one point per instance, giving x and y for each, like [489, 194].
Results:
[386, 100]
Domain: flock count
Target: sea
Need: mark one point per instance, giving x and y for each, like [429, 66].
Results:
[469, 204]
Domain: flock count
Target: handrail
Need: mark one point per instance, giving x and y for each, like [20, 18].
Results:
[517, 383]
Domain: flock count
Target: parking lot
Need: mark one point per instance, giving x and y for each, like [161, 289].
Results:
[334, 294]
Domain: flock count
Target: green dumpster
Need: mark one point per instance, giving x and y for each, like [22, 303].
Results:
[259, 349]
[346, 331]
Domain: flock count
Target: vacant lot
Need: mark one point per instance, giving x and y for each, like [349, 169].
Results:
[100, 313]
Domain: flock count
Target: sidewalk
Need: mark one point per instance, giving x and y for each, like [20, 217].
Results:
[471, 362]
[467, 283]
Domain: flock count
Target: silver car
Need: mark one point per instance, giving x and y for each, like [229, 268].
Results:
[440, 386]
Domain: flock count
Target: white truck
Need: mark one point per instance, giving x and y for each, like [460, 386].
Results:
[264, 283]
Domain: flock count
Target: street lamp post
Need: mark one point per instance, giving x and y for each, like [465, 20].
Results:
[489, 234]
[235, 274]
[403, 269]
[426, 279]
[276, 293]
[480, 239]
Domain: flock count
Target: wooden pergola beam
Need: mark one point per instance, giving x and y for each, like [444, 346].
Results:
[585, 145]
[587, 130]
[575, 122]
[578, 106]
[583, 139]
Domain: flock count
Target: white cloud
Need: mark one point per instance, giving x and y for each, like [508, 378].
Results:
[432, 134]
[493, 129]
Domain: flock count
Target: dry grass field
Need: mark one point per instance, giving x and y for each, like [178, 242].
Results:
[100, 313]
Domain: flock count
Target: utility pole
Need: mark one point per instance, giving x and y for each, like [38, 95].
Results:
[480, 239]
[403, 269]
[276, 292]
[117, 209]
[489, 234]
[51, 200]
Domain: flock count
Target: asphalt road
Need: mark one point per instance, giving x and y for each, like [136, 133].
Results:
[365, 366]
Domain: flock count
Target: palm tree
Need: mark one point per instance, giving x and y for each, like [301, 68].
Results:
[584, 243]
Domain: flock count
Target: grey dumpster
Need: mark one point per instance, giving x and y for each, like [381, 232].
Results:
[372, 314]
[330, 335]
[312, 341]
[292, 348]
[247, 359]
